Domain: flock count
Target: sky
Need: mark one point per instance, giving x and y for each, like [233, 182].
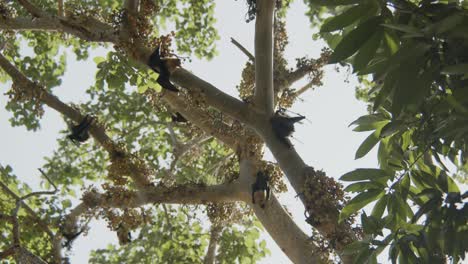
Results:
[326, 142]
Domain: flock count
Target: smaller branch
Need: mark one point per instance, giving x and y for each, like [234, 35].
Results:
[198, 117]
[48, 179]
[215, 234]
[28, 209]
[41, 192]
[166, 215]
[175, 142]
[243, 49]
[32, 9]
[297, 74]
[8, 252]
[181, 149]
[60, 11]
[16, 229]
[304, 88]
[5, 217]
[132, 5]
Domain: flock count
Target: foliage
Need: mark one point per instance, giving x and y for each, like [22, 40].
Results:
[131, 120]
[412, 58]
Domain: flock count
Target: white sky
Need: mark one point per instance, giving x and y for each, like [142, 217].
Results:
[327, 143]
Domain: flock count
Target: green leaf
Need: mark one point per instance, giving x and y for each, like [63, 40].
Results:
[461, 68]
[359, 202]
[364, 186]
[98, 59]
[392, 42]
[368, 119]
[446, 24]
[404, 28]
[363, 256]
[367, 51]
[391, 128]
[387, 89]
[370, 224]
[142, 88]
[412, 86]
[334, 2]
[431, 204]
[66, 203]
[379, 207]
[365, 174]
[344, 19]
[354, 40]
[355, 247]
[407, 53]
[367, 145]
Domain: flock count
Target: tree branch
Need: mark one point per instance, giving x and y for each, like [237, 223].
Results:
[264, 95]
[32, 9]
[289, 237]
[215, 234]
[278, 223]
[16, 229]
[40, 222]
[88, 29]
[304, 88]
[189, 194]
[96, 130]
[201, 119]
[8, 252]
[297, 74]
[243, 49]
[212, 95]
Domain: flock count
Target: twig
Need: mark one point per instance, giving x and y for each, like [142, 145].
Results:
[243, 49]
[41, 223]
[41, 192]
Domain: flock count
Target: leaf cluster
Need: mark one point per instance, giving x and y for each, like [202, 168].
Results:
[415, 55]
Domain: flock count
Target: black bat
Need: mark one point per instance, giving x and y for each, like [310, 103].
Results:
[155, 61]
[261, 189]
[80, 132]
[283, 126]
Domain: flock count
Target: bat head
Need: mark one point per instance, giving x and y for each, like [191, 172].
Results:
[260, 197]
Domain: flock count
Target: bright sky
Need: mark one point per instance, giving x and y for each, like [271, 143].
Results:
[326, 143]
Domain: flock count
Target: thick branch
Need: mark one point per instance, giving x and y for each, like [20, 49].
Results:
[129, 19]
[88, 29]
[264, 95]
[212, 95]
[279, 224]
[194, 194]
[199, 117]
[289, 237]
